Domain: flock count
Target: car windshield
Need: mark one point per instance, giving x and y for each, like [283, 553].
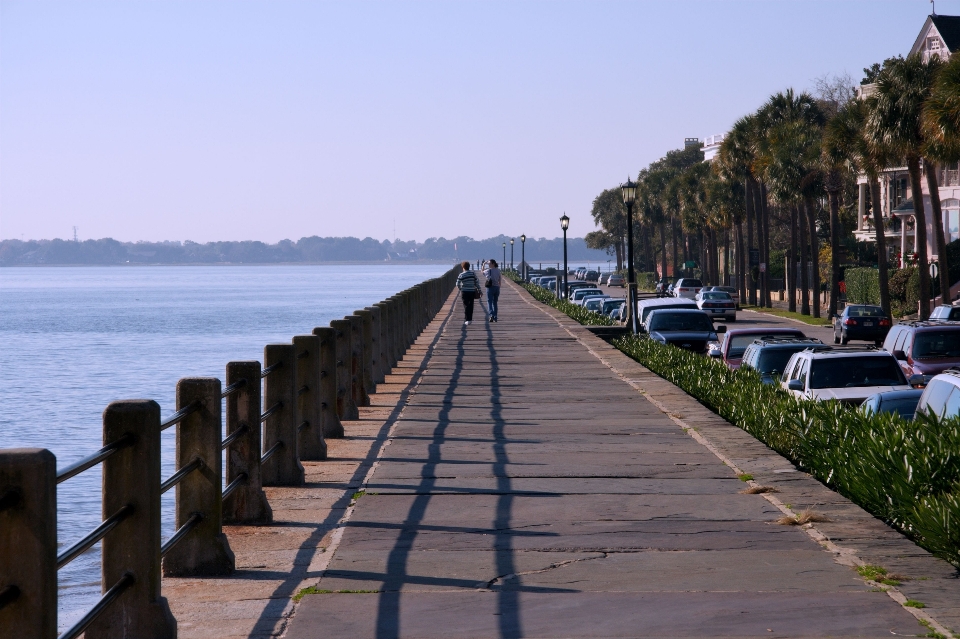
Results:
[666, 321]
[739, 343]
[773, 360]
[865, 311]
[691, 283]
[851, 372]
[583, 292]
[715, 296]
[609, 305]
[936, 344]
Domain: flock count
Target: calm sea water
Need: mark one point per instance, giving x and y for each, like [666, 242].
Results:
[74, 339]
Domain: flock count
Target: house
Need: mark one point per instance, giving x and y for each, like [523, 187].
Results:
[940, 36]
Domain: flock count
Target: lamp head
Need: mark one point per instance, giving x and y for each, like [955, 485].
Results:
[523, 238]
[504, 245]
[629, 189]
[511, 241]
[564, 222]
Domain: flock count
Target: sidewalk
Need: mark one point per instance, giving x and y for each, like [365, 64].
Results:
[539, 483]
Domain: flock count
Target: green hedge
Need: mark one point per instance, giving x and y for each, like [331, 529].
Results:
[863, 285]
[578, 313]
[906, 473]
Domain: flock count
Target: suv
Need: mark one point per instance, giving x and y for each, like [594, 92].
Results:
[769, 356]
[736, 341]
[945, 312]
[591, 276]
[689, 329]
[849, 375]
[687, 287]
[603, 278]
[576, 296]
[924, 348]
[941, 397]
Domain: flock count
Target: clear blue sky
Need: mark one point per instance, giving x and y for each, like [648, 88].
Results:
[271, 120]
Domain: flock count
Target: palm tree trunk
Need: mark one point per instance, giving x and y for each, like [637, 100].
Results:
[920, 230]
[833, 185]
[673, 243]
[748, 274]
[663, 252]
[814, 255]
[884, 276]
[726, 256]
[804, 259]
[791, 274]
[934, 188]
[765, 242]
[741, 262]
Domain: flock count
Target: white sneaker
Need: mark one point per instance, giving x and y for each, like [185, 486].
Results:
[466, 323]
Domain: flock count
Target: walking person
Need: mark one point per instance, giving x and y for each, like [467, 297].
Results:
[493, 289]
[469, 286]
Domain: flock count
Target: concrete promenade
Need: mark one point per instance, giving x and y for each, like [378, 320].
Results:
[540, 484]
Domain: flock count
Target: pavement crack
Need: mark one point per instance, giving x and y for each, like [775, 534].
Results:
[560, 564]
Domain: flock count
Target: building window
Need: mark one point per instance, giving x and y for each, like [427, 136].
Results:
[933, 44]
[898, 191]
[949, 174]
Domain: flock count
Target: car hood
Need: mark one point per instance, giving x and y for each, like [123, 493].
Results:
[934, 365]
[858, 393]
[676, 336]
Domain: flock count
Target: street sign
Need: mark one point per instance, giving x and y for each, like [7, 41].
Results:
[763, 267]
[754, 257]
[690, 264]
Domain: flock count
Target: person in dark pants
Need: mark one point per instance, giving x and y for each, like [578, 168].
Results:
[469, 287]
[493, 289]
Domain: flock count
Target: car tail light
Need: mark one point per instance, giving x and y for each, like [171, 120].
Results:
[884, 322]
[849, 322]
[683, 290]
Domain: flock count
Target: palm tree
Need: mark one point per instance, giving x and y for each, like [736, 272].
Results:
[737, 156]
[894, 123]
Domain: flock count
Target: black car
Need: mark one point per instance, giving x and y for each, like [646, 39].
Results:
[769, 356]
[861, 322]
[688, 329]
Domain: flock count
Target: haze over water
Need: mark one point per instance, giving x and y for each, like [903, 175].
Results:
[75, 339]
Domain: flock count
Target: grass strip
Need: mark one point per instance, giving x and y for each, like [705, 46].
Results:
[779, 312]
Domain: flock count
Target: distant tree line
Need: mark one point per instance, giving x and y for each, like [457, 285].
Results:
[306, 250]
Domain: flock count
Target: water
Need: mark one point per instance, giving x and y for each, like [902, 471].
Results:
[74, 339]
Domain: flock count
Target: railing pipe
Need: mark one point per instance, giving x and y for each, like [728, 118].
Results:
[346, 407]
[284, 467]
[132, 476]
[93, 537]
[310, 441]
[28, 545]
[108, 598]
[90, 461]
[332, 427]
[247, 504]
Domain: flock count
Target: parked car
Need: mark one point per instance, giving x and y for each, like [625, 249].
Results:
[736, 341]
[861, 322]
[731, 291]
[946, 313]
[769, 356]
[617, 280]
[849, 375]
[644, 307]
[591, 276]
[603, 278]
[903, 402]
[576, 296]
[687, 287]
[589, 298]
[573, 285]
[689, 329]
[718, 304]
[924, 348]
[611, 305]
[941, 397]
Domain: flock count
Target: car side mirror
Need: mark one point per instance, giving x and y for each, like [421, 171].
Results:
[900, 355]
[720, 329]
[795, 385]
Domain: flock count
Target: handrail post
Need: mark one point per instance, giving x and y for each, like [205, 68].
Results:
[247, 504]
[131, 476]
[312, 445]
[376, 344]
[360, 397]
[367, 363]
[329, 419]
[346, 408]
[384, 339]
[28, 545]
[284, 467]
[394, 327]
[204, 551]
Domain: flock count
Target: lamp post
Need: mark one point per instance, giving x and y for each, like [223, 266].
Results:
[629, 189]
[504, 263]
[523, 256]
[564, 224]
[511, 254]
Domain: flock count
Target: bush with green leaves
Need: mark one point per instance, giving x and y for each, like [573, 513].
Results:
[578, 313]
[905, 473]
[863, 285]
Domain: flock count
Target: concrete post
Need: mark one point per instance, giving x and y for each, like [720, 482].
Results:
[332, 428]
[247, 504]
[204, 551]
[283, 467]
[132, 476]
[310, 440]
[346, 407]
[376, 317]
[385, 365]
[393, 327]
[360, 397]
[367, 364]
[28, 544]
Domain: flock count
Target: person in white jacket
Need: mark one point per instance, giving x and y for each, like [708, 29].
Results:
[493, 289]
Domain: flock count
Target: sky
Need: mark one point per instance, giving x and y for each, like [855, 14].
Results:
[216, 120]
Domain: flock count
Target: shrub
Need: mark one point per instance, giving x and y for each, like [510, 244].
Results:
[863, 285]
[647, 281]
[906, 473]
[578, 313]
[904, 290]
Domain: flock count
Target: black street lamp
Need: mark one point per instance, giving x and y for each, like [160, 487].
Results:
[629, 189]
[511, 254]
[523, 256]
[504, 263]
[564, 224]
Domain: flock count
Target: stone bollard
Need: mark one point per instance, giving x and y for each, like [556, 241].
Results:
[280, 464]
[346, 407]
[310, 442]
[394, 345]
[376, 345]
[247, 504]
[331, 425]
[385, 365]
[367, 363]
[28, 543]
[131, 476]
[359, 392]
[204, 550]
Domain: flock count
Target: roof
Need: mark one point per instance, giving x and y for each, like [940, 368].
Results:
[764, 331]
[858, 351]
[949, 29]
[931, 324]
